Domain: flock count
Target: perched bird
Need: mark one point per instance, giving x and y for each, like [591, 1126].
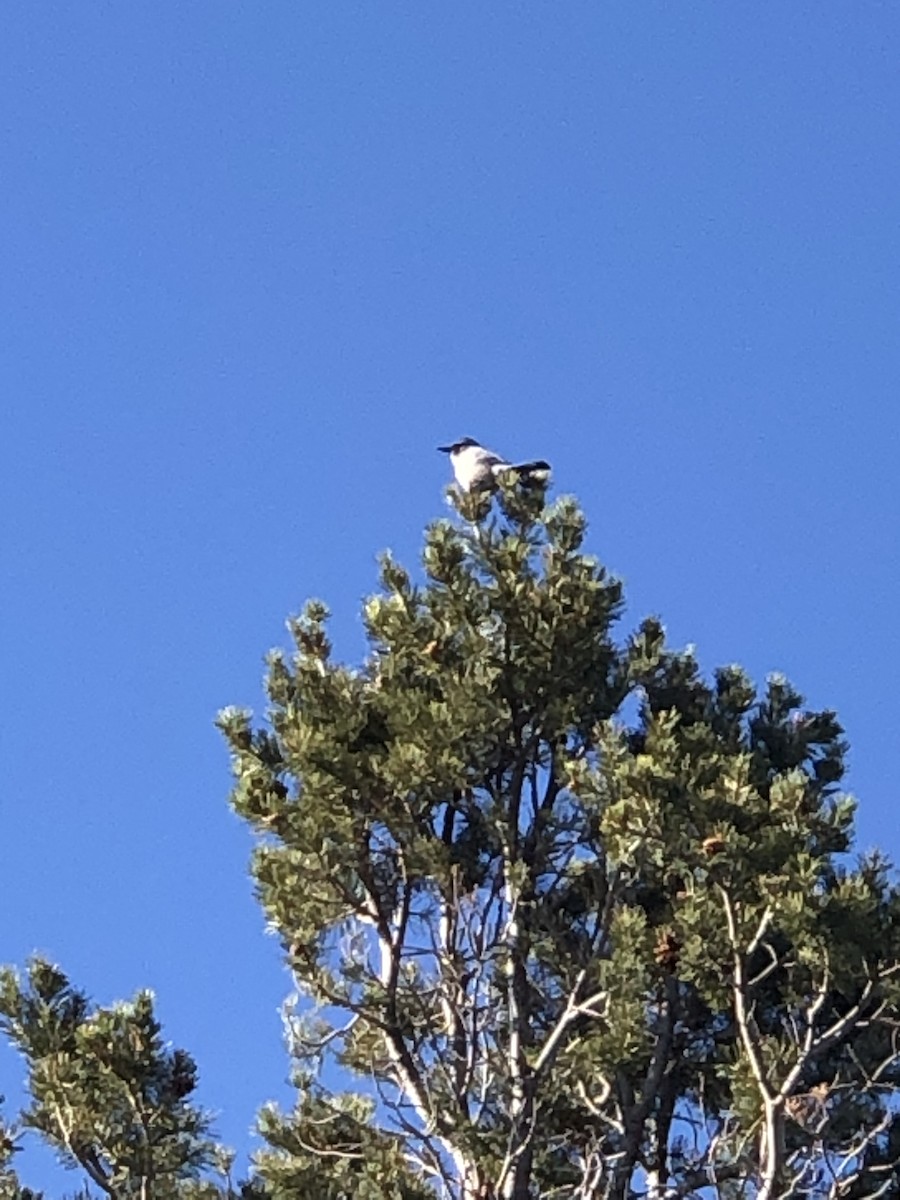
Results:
[476, 469]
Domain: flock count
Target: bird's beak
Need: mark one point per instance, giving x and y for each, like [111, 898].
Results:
[445, 449]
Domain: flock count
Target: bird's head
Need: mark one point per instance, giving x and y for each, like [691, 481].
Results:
[455, 447]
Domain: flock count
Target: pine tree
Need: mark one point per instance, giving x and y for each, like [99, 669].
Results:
[106, 1093]
[579, 921]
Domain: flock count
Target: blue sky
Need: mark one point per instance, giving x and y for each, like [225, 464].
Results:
[257, 261]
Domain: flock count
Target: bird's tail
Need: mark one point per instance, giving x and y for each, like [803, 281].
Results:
[536, 467]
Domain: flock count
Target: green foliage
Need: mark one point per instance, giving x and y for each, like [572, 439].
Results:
[329, 1149]
[106, 1092]
[572, 918]
[10, 1187]
[513, 909]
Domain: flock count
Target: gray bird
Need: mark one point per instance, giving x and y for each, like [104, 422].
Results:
[476, 469]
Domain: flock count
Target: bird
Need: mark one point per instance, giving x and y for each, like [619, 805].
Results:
[476, 469]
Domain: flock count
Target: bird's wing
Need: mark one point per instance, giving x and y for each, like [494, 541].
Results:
[494, 461]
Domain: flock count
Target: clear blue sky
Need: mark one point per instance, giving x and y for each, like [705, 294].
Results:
[258, 260]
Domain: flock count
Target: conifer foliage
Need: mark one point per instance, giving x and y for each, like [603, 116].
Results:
[566, 918]
[580, 922]
[106, 1092]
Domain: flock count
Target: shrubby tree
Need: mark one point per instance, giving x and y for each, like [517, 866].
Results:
[578, 920]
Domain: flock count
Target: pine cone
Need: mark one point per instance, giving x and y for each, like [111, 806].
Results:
[667, 950]
[714, 844]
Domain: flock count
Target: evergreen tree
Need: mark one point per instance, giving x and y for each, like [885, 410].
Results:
[106, 1093]
[580, 921]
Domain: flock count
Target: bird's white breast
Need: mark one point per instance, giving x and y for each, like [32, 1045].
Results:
[472, 466]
